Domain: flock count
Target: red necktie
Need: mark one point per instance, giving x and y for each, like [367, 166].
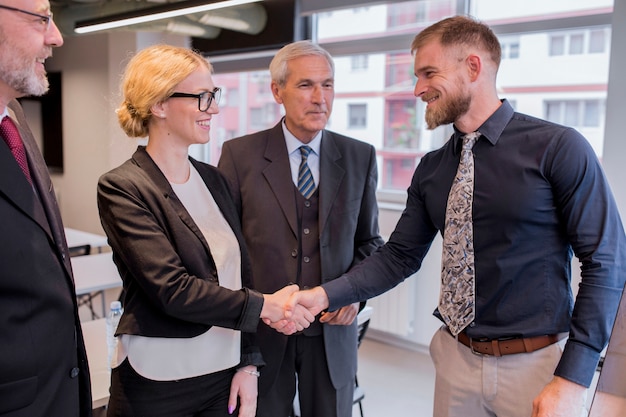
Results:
[12, 138]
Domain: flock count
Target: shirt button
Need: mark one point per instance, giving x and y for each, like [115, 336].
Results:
[306, 259]
[294, 253]
[74, 372]
[307, 231]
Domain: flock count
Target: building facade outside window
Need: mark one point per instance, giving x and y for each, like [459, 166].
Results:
[558, 73]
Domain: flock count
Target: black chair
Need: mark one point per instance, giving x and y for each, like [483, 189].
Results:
[363, 322]
[80, 250]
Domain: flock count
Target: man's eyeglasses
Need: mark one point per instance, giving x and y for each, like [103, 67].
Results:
[45, 19]
[204, 99]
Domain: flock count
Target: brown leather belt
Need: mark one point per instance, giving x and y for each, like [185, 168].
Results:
[499, 347]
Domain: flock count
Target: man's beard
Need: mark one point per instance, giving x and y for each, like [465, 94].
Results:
[448, 111]
[19, 72]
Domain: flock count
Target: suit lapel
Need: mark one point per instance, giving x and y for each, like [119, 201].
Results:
[278, 175]
[13, 181]
[41, 207]
[154, 173]
[12, 185]
[221, 195]
[331, 176]
[43, 185]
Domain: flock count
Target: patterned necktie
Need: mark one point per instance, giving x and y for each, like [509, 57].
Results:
[457, 298]
[11, 136]
[306, 184]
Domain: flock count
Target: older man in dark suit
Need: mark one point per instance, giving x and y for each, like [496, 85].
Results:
[43, 365]
[307, 199]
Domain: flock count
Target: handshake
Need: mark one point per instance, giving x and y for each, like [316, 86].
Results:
[289, 310]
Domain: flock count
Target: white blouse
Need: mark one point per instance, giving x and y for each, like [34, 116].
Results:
[164, 359]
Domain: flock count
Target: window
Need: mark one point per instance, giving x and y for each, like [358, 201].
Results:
[510, 48]
[359, 62]
[577, 43]
[557, 45]
[575, 113]
[553, 71]
[232, 97]
[597, 41]
[357, 116]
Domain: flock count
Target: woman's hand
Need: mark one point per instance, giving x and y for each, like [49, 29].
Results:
[244, 387]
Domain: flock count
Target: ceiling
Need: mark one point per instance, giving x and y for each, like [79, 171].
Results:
[247, 19]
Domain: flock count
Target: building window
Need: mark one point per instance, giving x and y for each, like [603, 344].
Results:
[256, 117]
[359, 62]
[357, 116]
[597, 41]
[510, 48]
[232, 97]
[577, 43]
[557, 45]
[575, 113]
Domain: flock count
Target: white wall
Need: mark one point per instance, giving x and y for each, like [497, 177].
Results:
[93, 143]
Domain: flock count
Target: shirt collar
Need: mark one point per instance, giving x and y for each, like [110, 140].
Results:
[493, 127]
[293, 144]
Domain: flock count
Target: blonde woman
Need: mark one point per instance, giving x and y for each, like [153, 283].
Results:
[186, 343]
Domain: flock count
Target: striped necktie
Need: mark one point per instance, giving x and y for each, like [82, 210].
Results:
[306, 184]
[458, 286]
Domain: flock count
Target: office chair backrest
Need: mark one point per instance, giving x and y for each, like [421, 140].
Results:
[363, 322]
[80, 250]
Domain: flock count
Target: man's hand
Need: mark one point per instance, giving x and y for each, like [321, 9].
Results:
[273, 312]
[342, 317]
[560, 398]
[314, 300]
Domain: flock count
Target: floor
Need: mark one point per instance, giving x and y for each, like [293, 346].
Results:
[400, 382]
[396, 381]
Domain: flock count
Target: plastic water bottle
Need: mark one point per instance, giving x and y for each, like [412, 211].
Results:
[112, 321]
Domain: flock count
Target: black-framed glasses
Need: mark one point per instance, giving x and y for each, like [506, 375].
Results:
[204, 99]
[45, 19]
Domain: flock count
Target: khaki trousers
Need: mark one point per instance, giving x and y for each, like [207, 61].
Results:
[471, 385]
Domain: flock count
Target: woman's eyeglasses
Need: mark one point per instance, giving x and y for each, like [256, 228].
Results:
[204, 99]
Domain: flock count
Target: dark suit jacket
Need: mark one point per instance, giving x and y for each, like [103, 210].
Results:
[258, 170]
[166, 265]
[43, 364]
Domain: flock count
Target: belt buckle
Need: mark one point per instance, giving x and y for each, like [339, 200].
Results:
[474, 351]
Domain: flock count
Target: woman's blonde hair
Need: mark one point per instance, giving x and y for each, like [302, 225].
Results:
[150, 78]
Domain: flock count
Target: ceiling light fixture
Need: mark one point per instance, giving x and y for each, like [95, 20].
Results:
[152, 14]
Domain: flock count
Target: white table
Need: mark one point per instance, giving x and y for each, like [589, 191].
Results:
[78, 238]
[94, 333]
[93, 274]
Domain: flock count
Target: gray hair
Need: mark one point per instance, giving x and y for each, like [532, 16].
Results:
[278, 66]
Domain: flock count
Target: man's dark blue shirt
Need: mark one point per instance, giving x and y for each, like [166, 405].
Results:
[540, 195]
